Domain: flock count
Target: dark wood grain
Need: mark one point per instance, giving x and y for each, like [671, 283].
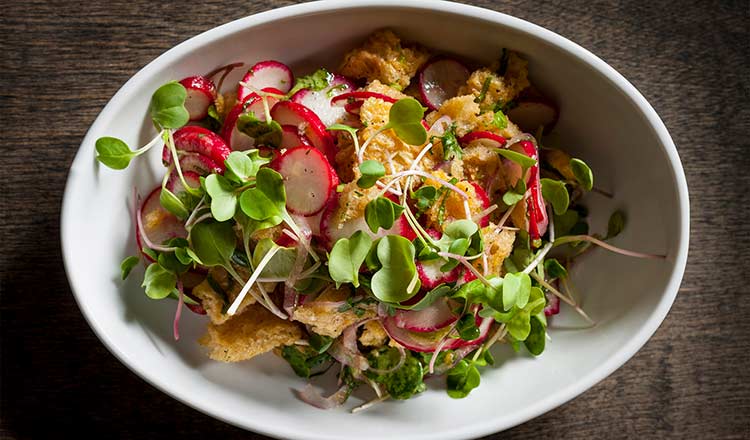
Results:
[60, 62]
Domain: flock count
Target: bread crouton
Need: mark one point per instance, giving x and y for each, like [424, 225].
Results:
[483, 165]
[382, 57]
[465, 113]
[450, 206]
[254, 332]
[498, 244]
[217, 292]
[373, 334]
[500, 89]
[325, 318]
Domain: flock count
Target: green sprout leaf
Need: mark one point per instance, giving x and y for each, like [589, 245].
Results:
[266, 202]
[347, 257]
[554, 269]
[616, 224]
[467, 327]
[519, 158]
[213, 243]
[499, 120]
[242, 166]
[316, 82]
[405, 118]
[281, 263]
[382, 213]
[397, 279]
[264, 132]
[583, 173]
[127, 265]
[536, 340]
[451, 148]
[158, 281]
[168, 106]
[515, 194]
[173, 204]
[113, 153]
[223, 197]
[320, 343]
[556, 194]
[462, 378]
[516, 290]
[371, 170]
[425, 197]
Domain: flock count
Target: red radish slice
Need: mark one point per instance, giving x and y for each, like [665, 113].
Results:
[291, 137]
[484, 201]
[236, 139]
[201, 93]
[440, 79]
[427, 343]
[431, 276]
[553, 305]
[438, 315]
[159, 225]
[309, 179]
[199, 164]
[535, 208]
[266, 74]
[307, 122]
[532, 113]
[404, 228]
[175, 185]
[194, 139]
[320, 101]
[353, 107]
[330, 232]
[466, 276]
[486, 138]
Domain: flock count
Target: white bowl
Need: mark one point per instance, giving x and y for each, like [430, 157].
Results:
[603, 119]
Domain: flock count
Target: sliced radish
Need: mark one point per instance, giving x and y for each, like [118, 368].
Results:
[431, 276]
[438, 315]
[307, 122]
[253, 103]
[465, 277]
[320, 101]
[291, 137]
[309, 180]
[194, 139]
[427, 342]
[266, 74]
[199, 164]
[484, 201]
[535, 209]
[532, 113]
[553, 305]
[490, 140]
[175, 185]
[330, 232]
[159, 225]
[440, 79]
[201, 93]
[404, 228]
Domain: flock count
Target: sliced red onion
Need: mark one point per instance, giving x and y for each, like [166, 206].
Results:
[553, 305]
[311, 396]
[439, 127]
[178, 313]
[291, 300]
[345, 350]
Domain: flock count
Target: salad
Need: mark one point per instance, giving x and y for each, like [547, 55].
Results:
[387, 222]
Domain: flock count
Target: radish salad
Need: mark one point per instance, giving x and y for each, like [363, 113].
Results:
[387, 222]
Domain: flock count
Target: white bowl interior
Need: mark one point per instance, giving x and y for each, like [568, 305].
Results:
[603, 120]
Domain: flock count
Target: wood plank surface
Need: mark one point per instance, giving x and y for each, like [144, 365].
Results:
[61, 61]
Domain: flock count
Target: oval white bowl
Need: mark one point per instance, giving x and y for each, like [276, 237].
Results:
[603, 120]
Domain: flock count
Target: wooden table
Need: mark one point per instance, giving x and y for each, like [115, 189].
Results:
[60, 62]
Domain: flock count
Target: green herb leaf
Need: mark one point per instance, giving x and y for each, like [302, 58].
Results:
[371, 170]
[583, 173]
[213, 243]
[425, 197]
[556, 194]
[616, 224]
[347, 257]
[405, 118]
[467, 327]
[242, 166]
[127, 265]
[223, 197]
[263, 132]
[168, 106]
[564, 223]
[382, 213]
[158, 281]
[462, 378]
[113, 153]
[519, 158]
[499, 120]
[536, 340]
[282, 262]
[554, 269]
[396, 280]
[402, 383]
[320, 343]
[316, 82]
[173, 204]
[516, 194]
[303, 361]
[266, 202]
[516, 290]
[451, 148]
[483, 92]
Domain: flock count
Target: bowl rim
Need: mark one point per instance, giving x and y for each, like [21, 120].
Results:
[551, 401]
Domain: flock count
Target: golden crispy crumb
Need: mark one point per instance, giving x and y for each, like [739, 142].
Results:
[452, 203]
[373, 334]
[501, 88]
[498, 244]
[242, 337]
[465, 113]
[325, 319]
[383, 57]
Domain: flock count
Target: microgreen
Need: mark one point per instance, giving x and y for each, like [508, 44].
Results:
[462, 378]
[223, 196]
[554, 269]
[127, 265]
[382, 213]
[405, 118]
[467, 327]
[371, 170]
[351, 130]
[264, 132]
[515, 194]
[317, 81]
[212, 244]
[425, 197]
[451, 147]
[281, 263]
[169, 201]
[266, 202]
[397, 278]
[582, 173]
[320, 343]
[242, 166]
[114, 153]
[536, 339]
[519, 158]
[158, 281]
[516, 288]
[556, 194]
[168, 106]
[616, 224]
[347, 256]
[499, 120]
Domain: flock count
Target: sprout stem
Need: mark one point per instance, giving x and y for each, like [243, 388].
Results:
[573, 238]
